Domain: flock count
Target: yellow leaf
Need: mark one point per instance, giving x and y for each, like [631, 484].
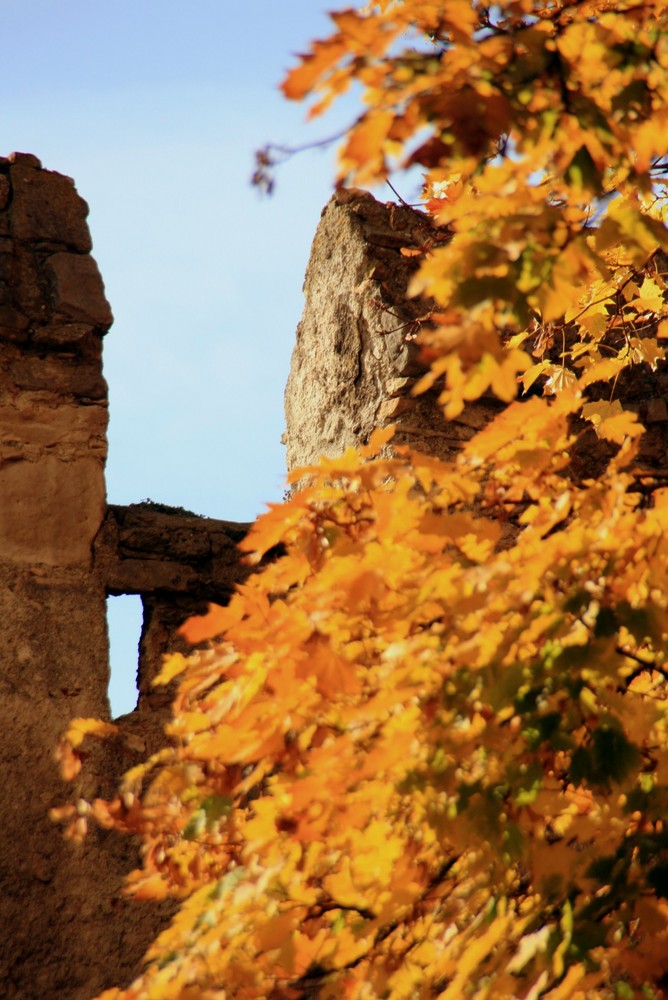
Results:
[564, 991]
[562, 292]
[616, 426]
[504, 377]
[216, 621]
[153, 887]
[172, 666]
[80, 728]
[275, 931]
[626, 227]
[364, 151]
[531, 374]
[617, 429]
[560, 379]
[333, 674]
[276, 524]
[650, 297]
[313, 67]
[649, 139]
[602, 371]
[379, 438]
[597, 412]
[646, 350]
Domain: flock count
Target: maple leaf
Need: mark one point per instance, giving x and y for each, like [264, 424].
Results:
[426, 752]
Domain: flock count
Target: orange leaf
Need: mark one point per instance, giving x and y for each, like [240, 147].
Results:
[364, 149]
[80, 728]
[314, 65]
[201, 627]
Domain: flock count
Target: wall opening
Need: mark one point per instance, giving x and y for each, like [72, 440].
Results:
[124, 621]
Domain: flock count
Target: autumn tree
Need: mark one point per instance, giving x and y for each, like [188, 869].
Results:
[425, 752]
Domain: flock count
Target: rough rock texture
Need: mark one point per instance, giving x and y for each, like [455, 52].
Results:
[67, 930]
[178, 562]
[53, 643]
[355, 360]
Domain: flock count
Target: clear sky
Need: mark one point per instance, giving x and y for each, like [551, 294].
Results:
[155, 108]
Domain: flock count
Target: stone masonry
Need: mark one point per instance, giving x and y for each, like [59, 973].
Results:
[355, 361]
[67, 930]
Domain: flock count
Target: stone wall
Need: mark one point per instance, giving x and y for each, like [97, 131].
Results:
[63, 550]
[67, 931]
[355, 361]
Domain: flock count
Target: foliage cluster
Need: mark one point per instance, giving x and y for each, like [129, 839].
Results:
[425, 752]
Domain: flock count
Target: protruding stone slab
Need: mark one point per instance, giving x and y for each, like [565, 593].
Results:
[355, 361]
[178, 562]
[46, 208]
[79, 291]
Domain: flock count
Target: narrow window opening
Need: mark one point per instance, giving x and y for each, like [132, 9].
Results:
[124, 621]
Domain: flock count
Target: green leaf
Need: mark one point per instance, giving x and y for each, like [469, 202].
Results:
[195, 826]
[212, 809]
[216, 807]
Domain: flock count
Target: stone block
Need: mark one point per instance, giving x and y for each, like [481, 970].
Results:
[51, 509]
[72, 374]
[46, 208]
[79, 289]
[356, 360]
[43, 424]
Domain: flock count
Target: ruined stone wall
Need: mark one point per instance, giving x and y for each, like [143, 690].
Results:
[355, 361]
[53, 642]
[67, 931]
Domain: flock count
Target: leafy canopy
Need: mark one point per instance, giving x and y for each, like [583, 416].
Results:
[425, 752]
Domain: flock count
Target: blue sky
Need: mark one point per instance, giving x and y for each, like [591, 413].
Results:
[155, 108]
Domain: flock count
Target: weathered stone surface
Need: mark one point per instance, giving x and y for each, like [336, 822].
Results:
[178, 562]
[355, 361]
[25, 300]
[45, 208]
[51, 510]
[5, 191]
[73, 371]
[68, 930]
[56, 902]
[26, 159]
[79, 291]
[147, 547]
